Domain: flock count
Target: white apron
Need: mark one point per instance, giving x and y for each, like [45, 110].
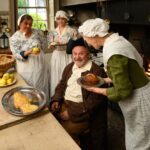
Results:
[34, 69]
[136, 108]
[136, 112]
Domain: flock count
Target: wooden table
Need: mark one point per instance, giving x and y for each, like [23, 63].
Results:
[7, 119]
[40, 133]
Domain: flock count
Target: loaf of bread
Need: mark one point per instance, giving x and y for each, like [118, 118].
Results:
[90, 79]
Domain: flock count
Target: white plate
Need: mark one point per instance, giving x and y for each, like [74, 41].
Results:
[101, 82]
[14, 81]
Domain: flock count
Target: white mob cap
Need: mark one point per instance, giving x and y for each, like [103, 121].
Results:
[19, 19]
[93, 27]
[62, 14]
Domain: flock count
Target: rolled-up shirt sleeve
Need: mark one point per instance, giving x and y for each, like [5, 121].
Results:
[16, 49]
[118, 71]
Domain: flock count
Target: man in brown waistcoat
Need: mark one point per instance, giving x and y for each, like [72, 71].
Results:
[77, 109]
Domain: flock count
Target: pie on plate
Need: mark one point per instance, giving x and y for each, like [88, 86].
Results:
[90, 80]
[24, 101]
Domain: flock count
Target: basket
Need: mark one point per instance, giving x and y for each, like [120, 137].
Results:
[6, 62]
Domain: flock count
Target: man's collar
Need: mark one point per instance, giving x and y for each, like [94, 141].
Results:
[87, 66]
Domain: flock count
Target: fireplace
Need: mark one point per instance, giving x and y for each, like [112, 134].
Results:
[145, 45]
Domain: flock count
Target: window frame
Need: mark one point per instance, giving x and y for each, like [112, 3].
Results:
[47, 7]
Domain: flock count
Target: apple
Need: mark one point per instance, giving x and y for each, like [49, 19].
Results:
[35, 50]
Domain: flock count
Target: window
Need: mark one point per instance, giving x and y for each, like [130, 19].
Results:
[38, 9]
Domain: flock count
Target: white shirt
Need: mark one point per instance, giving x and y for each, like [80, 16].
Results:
[73, 90]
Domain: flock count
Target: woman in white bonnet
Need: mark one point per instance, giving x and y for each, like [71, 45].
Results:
[130, 88]
[31, 67]
[57, 40]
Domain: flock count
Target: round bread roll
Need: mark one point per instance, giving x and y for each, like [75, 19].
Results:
[90, 79]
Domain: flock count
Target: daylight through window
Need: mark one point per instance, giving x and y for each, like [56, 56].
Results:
[38, 9]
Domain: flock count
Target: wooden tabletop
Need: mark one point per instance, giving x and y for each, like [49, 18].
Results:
[37, 132]
[7, 119]
[40, 133]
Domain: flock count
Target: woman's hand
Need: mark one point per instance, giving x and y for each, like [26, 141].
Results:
[107, 80]
[97, 90]
[64, 115]
[51, 46]
[28, 52]
[55, 107]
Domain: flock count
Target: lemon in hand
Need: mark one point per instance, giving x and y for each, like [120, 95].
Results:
[35, 50]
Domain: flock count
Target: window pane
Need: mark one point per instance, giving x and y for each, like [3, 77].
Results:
[31, 11]
[21, 11]
[35, 24]
[42, 14]
[41, 3]
[39, 15]
[23, 3]
[32, 3]
[42, 25]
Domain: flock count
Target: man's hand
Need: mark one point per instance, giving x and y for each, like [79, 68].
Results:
[55, 107]
[64, 115]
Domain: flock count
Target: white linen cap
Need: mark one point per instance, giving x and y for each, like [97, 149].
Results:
[93, 27]
[62, 14]
[19, 19]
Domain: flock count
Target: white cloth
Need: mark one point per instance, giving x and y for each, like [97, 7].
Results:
[116, 44]
[34, 70]
[93, 27]
[62, 14]
[59, 58]
[73, 90]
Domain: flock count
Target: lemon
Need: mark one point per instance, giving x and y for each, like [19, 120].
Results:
[11, 76]
[9, 81]
[2, 82]
[6, 76]
[35, 50]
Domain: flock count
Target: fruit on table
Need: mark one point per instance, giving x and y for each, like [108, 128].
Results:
[6, 79]
[35, 50]
[11, 75]
[9, 81]
[6, 76]
[2, 82]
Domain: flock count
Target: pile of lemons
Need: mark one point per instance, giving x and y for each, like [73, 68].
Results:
[6, 79]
